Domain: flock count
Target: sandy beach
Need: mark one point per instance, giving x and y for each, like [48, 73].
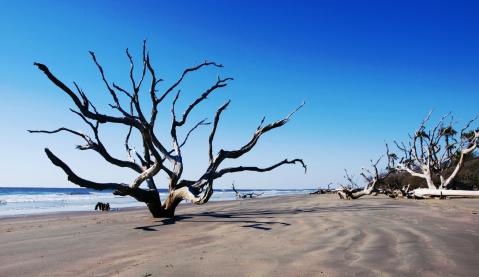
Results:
[277, 236]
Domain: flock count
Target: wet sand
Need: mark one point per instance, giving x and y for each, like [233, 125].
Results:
[278, 236]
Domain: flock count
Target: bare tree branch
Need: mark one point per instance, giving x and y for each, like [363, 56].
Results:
[156, 100]
[102, 118]
[119, 189]
[219, 84]
[201, 123]
[224, 171]
[234, 154]
[112, 92]
[213, 131]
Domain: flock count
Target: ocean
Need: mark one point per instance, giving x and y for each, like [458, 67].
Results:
[15, 201]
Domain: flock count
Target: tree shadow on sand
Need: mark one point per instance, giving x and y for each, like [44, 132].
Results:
[212, 217]
[253, 218]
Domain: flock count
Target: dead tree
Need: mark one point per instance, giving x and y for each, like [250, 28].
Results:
[322, 191]
[349, 188]
[396, 191]
[156, 157]
[432, 153]
[245, 195]
[372, 176]
[393, 190]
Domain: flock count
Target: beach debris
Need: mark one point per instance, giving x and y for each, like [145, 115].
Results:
[245, 195]
[372, 176]
[324, 191]
[436, 155]
[102, 206]
[156, 157]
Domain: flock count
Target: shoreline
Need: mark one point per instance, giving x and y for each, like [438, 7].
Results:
[19, 202]
[118, 210]
[294, 235]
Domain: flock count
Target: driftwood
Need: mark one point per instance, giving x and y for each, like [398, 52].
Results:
[372, 176]
[156, 157]
[441, 193]
[324, 190]
[431, 152]
[396, 191]
[245, 195]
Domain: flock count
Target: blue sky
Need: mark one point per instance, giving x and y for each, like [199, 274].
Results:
[369, 71]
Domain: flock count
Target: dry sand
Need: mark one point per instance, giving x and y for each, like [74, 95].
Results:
[278, 236]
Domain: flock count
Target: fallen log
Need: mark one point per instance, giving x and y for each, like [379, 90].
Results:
[428, 193]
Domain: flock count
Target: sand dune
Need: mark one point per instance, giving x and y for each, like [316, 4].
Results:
[278, 236]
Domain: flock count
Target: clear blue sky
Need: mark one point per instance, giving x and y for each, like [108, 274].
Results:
[368, 70]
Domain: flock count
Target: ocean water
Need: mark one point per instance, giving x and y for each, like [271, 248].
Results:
[26, 201]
